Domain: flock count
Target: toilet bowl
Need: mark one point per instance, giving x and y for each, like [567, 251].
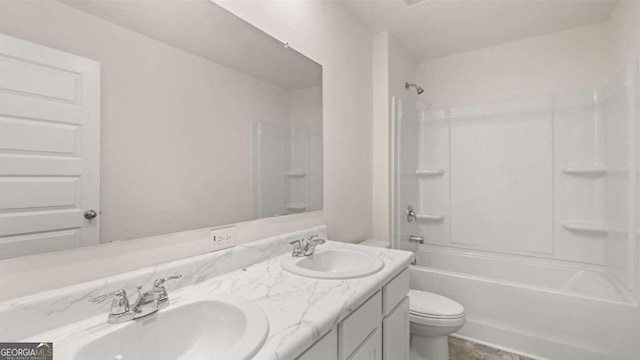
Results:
[433, 317]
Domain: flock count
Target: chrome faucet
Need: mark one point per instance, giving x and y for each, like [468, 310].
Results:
[147, 303]
[312, 242]
[306, 247]
[119, 306]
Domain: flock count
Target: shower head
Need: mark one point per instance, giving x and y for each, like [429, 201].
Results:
[419, 89]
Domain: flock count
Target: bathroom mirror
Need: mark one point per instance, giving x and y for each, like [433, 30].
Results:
[163, 116]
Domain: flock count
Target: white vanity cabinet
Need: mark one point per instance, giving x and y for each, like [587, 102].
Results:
[377, 330]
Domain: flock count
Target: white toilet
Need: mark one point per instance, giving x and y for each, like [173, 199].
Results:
[433, 318]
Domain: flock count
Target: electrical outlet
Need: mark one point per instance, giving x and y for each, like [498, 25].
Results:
[222, 237]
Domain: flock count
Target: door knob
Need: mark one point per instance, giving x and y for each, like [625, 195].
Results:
[90, 214]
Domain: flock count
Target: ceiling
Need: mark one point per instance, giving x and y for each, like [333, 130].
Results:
[203, 28]
[437, 28]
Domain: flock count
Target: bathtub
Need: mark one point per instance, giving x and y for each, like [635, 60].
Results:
[535, 307]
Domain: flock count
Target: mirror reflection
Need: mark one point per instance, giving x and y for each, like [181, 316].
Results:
[164, 116]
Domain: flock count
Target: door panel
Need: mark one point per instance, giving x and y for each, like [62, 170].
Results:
[49, 149]
[37, 78]
[42, 192]
[12, 223]
[32, 135]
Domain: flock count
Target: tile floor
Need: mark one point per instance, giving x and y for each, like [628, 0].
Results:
[466, 350]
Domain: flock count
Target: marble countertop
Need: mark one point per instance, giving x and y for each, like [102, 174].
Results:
[300, 310]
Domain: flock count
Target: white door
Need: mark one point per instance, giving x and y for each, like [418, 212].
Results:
[49, 149]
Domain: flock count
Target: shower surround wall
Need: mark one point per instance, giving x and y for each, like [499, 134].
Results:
[498, 176]
[534, 198]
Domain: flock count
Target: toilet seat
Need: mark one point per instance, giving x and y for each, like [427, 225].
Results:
[437, 323]
[426, 307]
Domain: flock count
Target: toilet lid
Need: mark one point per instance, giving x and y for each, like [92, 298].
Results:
[422, 303]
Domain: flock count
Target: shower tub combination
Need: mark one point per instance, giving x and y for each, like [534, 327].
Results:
[532, 307]
[528, 213]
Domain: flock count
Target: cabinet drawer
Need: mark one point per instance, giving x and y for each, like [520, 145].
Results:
[359, 325]
[395, 291]
[324, 349]
[371, 349]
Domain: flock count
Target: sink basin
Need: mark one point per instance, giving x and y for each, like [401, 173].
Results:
[334, 264]
[226, 327]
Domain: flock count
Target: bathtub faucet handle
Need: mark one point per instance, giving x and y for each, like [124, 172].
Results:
[411, 215]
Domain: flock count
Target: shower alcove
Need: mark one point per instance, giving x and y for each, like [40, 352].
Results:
[528, 211]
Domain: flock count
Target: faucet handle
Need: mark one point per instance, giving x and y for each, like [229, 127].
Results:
[139, 290]
[159, 282]
[297, 248]
[118, 294]
[311, 237]
[119, 305]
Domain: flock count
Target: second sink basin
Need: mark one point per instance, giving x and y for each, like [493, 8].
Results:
[226, 327]
[334, 264]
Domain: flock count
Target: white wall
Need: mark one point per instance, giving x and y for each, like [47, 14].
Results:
[380, 137]
[578, 58]
[306, 106]
[330, 35]
[402, 68]
[624, 26]
[558, 62]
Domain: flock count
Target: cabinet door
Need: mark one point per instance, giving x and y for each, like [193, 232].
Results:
[396, 335]
[371, 349]
[324, 349]
[356, 329]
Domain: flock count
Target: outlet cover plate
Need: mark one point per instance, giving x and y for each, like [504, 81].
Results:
[222, 237]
